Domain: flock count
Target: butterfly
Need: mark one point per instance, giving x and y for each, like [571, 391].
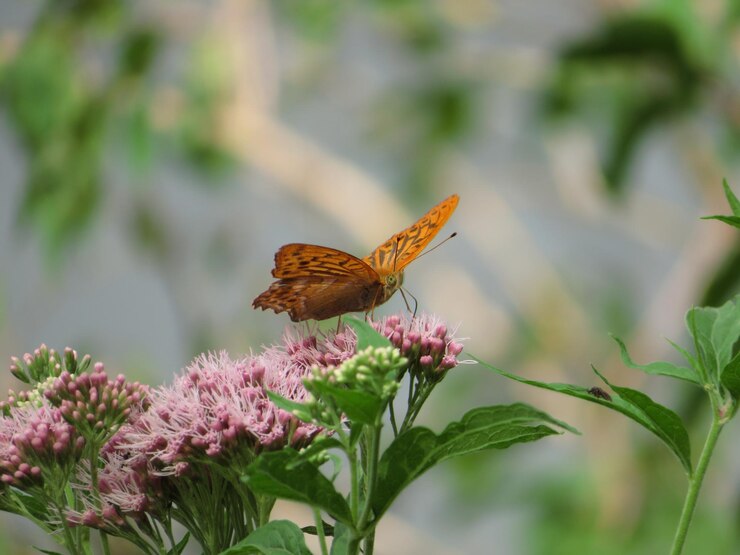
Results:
[315, 283]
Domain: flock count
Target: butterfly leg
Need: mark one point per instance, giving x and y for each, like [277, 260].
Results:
[372, 309]
[339, 322]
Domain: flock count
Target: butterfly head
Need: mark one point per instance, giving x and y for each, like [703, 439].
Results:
[392, 282]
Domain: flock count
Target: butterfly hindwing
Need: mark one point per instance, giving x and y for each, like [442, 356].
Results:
[318, 297]
[316, 283]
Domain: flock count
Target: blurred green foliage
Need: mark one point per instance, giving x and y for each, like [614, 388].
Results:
[643, 69]
[649, 68]
[83, 69]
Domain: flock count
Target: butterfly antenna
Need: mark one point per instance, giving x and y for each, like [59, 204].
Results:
[437, 245]
[416, 302]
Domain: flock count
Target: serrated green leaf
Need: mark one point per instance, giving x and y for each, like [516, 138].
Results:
[359, 406]
[279, 537]
[414, 452]
[635, 405]
[367, 336]
[659, 368]
[287, 475]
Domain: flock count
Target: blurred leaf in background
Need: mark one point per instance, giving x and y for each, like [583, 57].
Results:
[645, 68]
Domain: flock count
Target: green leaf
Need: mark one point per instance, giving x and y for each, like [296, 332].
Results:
[413, 452]
[731, 220]
[715, 331]
[298, 409]
[637, 406]
[660, 420]
[732, 200]
[726, 331]
[179, 547]
[359, 406]
[320, 444]
[659, 368]
[313, 531]
[691, 359]
[340, 543]
[734, 203]
[731, 377]
[279, 537]
[287, 475]
[367, 336]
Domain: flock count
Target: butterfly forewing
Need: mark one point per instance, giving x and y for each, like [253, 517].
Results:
[300, 260]
[398, 251]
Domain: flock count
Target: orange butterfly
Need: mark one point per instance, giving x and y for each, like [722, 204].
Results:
[315, 283]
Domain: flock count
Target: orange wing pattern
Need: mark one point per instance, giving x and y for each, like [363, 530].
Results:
[398, 251]
[300, 260]
[319, 298]
[317, 282]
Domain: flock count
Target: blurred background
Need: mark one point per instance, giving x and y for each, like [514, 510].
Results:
[156, 154]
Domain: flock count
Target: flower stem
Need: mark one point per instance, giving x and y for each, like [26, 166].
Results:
[320, 531]
[695, 482]
[373, 453]
[96, 492]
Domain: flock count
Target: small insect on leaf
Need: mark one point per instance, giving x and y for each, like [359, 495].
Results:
[599, 393]
[316, 283]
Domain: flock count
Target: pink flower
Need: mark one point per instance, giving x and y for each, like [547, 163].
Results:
[219, 405]
[94, 404]
[425, 340]
[34, 438]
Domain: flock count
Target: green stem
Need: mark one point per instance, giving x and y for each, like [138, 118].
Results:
[369, 544]
[96, 494]
[354, 476]
[695, 482]
[69, 541]
[320, 531]
[420, 398]
[373, 450]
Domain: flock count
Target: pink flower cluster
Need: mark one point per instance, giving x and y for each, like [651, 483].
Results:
[424, 340]
[216, 411]
[219, 405]
[32, 439]
[95, 405]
